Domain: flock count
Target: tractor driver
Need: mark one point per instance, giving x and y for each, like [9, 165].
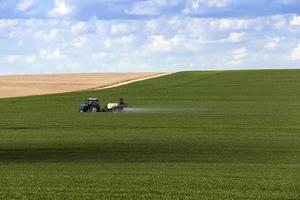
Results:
[122, 103]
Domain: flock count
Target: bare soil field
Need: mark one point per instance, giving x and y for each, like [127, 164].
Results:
[27, 85]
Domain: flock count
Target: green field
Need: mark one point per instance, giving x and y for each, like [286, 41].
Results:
[195, 135]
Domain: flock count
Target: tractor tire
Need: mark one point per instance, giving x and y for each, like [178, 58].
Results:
[116, 109]
[94, 109]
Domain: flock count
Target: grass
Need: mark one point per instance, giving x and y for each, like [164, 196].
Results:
[200, 135]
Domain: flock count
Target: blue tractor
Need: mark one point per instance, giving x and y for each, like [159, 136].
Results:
[92, 105]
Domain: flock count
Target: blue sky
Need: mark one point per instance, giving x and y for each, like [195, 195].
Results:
[54, 36]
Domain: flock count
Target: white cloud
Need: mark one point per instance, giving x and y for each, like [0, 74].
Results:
[295, 55]
[236, 37]
[61, 9]
[150, 7]
[80, 42]
[151, 26]
[80, 27]
[24, 5]
[295, 21]
[51, 55]
[121, 28]
[108, 43]
[102, 56]
[272, 44]
[16, 58]
[158, 43]
[239, 54]
[119, 42]
[196, 6]
[128, 39]
[232, 24]
[7, 23]
[30, 59]
[11, 58]
[280, 22]
[161, 43]
[48, 36]
[143, 9]
[215, 3]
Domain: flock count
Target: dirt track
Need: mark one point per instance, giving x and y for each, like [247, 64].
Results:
[27, 85]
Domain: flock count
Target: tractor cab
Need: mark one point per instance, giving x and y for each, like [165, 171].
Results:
[93, 101]
[91, 105]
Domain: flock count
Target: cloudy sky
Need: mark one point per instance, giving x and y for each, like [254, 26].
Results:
[51, 36]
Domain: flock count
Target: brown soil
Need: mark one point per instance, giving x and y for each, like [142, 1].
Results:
[27, 85]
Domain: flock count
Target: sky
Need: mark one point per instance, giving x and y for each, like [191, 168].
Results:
[60, 36]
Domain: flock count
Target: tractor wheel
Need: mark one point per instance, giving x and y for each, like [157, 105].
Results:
[94, 109]
[116, 109]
